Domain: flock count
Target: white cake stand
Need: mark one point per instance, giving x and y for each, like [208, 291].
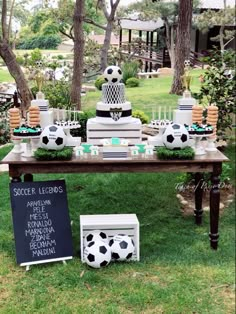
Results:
[17, 149]
[211, 147]
[72, 141]
[198, 148]
[31, 143]
[157, 139]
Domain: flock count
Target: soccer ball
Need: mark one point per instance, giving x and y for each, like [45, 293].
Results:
[39, 63]
[112, 74]
[187, 63]
[53, 137]
[97, 254]
[95, 235]
[122, 247]
[176, 136]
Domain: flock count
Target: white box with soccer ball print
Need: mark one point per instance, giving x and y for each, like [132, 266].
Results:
[113, 224]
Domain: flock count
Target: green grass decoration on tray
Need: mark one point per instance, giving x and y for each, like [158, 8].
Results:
[167, 154]
[64, 154]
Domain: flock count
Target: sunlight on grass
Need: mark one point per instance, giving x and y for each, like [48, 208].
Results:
[150, 94]
[5, 76]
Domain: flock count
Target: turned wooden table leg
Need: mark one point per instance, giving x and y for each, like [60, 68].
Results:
[28, 177]
[215, 205]
[198, 198]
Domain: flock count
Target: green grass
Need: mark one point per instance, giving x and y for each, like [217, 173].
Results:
[5, 76]
[43, 51]
[5, 150]
[178, 272]
[151, 94]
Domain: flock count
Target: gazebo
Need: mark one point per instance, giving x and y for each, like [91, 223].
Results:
[143, 42]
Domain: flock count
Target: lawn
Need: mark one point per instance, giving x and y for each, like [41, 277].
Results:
[5, 76]
[178, 272]
[148, 96]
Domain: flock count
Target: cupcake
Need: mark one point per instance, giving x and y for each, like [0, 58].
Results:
[200, 131]
[16, 131]
[208, 129]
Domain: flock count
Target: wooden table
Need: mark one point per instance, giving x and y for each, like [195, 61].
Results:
[211, 162]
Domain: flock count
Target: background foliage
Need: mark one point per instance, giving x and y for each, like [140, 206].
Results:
[219, 87]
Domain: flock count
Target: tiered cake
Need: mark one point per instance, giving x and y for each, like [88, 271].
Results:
[183, 114]
[113, 113]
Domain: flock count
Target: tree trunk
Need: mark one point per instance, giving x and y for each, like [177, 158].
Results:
[183, 43]
[222, 28]
[106, 45]
[78, 54]
[172, 47]
[15, 70]
[170, 41]
[110, 17]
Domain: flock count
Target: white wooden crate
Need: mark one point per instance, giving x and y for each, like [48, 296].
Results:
[98, 131]
[127, 224]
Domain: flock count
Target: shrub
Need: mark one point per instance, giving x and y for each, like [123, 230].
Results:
[140, 115]
[42, 42]
[4, 132]
[132, 82]
[189, 177]
[20, 60]
[217, 88]
[99, 81]
[130, 70]
[83, 118]
[36, 55]
[57, 93]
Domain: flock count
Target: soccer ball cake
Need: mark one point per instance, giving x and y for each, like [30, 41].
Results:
[122, 247]
[112, 74]
[53, 137]
[95, 235]
[176, 136]
[97, 254]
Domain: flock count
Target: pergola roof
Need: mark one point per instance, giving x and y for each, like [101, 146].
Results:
[141, 25]
[216, 4]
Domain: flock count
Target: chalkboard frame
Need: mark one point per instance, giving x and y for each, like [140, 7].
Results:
[35, 205]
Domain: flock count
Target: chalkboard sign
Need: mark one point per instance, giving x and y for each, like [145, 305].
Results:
[41, 222]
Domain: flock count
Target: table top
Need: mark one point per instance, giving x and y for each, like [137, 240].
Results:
[17, 159]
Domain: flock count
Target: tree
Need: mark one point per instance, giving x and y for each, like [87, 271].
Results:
[110, 17]
[73, 29]
[93, 18]
[10, 59]
[63, 15]
[224, 17]
[78, 19]
[166, 10]
[183, 43]
[219, 87]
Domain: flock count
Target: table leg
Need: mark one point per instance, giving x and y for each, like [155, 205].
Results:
[28, 177]
[198, 198]
[215, 206]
